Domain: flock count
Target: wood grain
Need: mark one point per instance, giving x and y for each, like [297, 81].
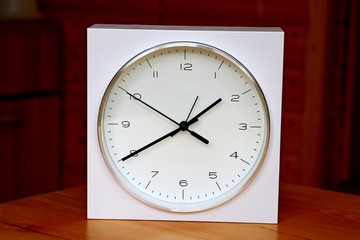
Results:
[305, 213]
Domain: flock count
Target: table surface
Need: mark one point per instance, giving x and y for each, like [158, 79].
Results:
[304, 213]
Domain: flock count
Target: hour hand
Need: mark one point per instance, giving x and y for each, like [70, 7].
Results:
[198, 136]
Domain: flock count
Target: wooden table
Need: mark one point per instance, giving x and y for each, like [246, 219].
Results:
[305, 213]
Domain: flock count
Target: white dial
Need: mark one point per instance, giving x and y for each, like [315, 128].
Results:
[183, 126]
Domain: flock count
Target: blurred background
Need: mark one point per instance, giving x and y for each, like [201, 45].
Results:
[43, 84]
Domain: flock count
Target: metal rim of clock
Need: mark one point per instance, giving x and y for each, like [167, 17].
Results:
[111, 165]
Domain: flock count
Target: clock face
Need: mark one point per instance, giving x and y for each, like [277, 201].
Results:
[183, 126]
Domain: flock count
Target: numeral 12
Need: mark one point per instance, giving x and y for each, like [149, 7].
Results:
[186, 66]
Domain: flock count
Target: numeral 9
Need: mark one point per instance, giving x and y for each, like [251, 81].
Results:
[125, 124]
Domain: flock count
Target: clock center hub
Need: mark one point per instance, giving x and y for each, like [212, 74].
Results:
[184, 125]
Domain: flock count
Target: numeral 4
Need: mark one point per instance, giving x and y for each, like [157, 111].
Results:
[234, 155]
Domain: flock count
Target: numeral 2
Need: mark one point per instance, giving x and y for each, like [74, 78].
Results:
[235, 98]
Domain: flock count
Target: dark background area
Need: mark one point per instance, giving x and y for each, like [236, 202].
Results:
[43, 84]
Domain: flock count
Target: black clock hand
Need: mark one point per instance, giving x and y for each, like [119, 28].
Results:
[196, 118]
[204, 140]
[185, 125]
[170, 134]
[138, 99]
[191, 132]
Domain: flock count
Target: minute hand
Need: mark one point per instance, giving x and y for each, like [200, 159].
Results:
[196, 118]
[138, 99]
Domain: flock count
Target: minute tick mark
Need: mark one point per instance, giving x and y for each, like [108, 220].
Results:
[148, 184]
[148, 63]
[217, 184]
[221, 65]
[246, 91]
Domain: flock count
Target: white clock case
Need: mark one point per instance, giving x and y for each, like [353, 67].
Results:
[259, 49]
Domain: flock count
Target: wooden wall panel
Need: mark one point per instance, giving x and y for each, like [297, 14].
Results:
[30, 146]
[30, 108]
[351, 169]
[23, 45]
[311, 41]
[335, 86]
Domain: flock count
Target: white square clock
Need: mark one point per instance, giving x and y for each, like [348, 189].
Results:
[184, 123]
